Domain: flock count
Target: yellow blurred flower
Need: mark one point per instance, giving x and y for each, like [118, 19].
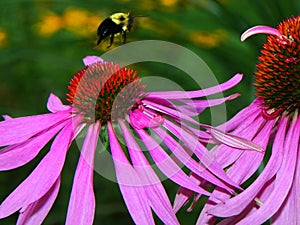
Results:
[208, 39]
[3, 37]
[169, 2]
[80, 22]
[49, 24]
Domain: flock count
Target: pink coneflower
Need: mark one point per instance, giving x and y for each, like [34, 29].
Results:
[272, 121]
[110, 102]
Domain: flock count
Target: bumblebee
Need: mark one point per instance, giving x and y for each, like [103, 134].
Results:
[115, 24]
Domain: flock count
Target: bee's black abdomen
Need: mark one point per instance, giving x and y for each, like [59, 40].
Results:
[106, 29]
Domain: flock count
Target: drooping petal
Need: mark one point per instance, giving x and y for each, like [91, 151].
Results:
[282, 184]
[54, 104]
[183, 195]
[248, 163]
[42, 177]
[242, 119]
[82, 201]
[205, 217]
[20, 129]
[240, 171]
[234, 141]
[187, 160]
[227, 156]
[287, 214]
[156, 193]
[130, 184]
[260, 30]
[195, 107]
[205, 157]
[166, 164]
[17, 155]
[289, 211]
[36, 212]
[242, 168]
[283, 181]
[296, 186]
[200, 93]
[228, 139]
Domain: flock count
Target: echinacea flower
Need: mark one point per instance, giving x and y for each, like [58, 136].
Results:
[272, 120]
[110, 102]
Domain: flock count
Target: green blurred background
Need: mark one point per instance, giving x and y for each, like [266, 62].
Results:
[42, 43]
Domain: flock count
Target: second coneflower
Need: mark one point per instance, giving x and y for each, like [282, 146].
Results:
[273, 122]
[139, 127]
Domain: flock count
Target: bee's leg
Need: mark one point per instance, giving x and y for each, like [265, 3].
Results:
[111, 40]
[123, 37]
[99, 40]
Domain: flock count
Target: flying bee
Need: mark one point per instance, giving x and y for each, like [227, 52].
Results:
[115, 24]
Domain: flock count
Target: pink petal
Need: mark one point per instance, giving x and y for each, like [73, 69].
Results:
[187, 160]
[289, 211]
[246, 165]
[54, 104]
[238, 121]
[200, 93]
[140, 120]
[82, 201]
[241, 170]
[205, 157]
[88, 60]
[226, 155]
[260, 30]
[134, 198]
[283, 182]
[156, 193]
[158, 199]
[194, 107]
[174, 112]
[38, 183]
[165, 163]
[183, 195]
[129, 182]
[17, 130]
[204, 217]
[19, 154]
[249, 161]
[296, 187]
[234, 141]
[36, 212]
[287, 214]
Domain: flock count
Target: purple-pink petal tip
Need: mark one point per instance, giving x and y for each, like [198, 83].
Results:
[88, 60]
[260, 30]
